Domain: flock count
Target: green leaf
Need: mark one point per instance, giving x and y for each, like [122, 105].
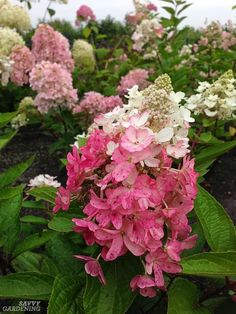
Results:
[33, 241]
[214, 151]
[184, 8]
[66, 295]
[33, 205]
[28, 285]
[29, 261]
[13, 173]
[6, 117]
[61, 224]
[4, 139]
[46, 193]
[86, 32]
[170, 10]
[10, 220]
[34, 220]
[9, 192]
[115, 297]
[61, 250]
[183, 297]
[217, 226]
[51, 12]
[196, 229]
[210, 264]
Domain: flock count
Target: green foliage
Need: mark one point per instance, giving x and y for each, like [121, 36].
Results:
[210, 264]
[183, 298]
[27, 285]
[217, 226]
[66, 297]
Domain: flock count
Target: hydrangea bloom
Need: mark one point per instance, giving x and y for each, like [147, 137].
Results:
[217, 100]
[215, 35]
[23, 63]
[44, 180]
[9, 38]
[14, 16]
[136, 200]
[146, 33]
[19, 121]
[94, 103]
[50, 45]
[83, 56]
[5, 69]
[134, 77]
[54, 86]
[84, 14]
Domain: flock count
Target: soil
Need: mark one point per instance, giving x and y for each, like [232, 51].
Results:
[27, 142]
[221, 182]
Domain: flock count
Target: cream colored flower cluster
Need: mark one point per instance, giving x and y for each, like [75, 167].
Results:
[5, 70]
[217, 100]
[83, 55]
[14, 16]
[9, 38]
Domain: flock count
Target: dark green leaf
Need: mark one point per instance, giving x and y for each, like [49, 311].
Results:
[46, 193]
[34, 220]
[183, 298]
[61, 224]
[210, 264]
[28, 285]
[6, 117]
[66, 295]
[217, 226]
[34, 241]
[13, 173]
[10, 220]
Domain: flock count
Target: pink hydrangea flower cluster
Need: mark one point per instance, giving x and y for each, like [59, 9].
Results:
[136, 199]
[53, 84]
[23, 63]
[134, 77]
[50, 45]
[94, 103]
[215, 35]
[84, 14]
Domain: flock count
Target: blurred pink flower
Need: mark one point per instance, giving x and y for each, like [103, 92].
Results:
[23, 63]
[134, 77]
[50, 45]
[54, 86]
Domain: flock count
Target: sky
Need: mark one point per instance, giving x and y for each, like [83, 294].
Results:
[197, 13]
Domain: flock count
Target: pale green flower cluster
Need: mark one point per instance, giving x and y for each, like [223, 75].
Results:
[9, 38]
[26, 103]
[216, 100]
[14, 16]
[19, 121]
[83, 55]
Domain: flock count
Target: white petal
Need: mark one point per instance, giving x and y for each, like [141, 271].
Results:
[165, 135]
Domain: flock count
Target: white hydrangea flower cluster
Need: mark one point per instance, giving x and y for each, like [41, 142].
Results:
[146, 32]
[5, 70]
[159, 107]
[44, 180]
[9, 38]
[83, 56]
[14, 16]
[216, 100]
